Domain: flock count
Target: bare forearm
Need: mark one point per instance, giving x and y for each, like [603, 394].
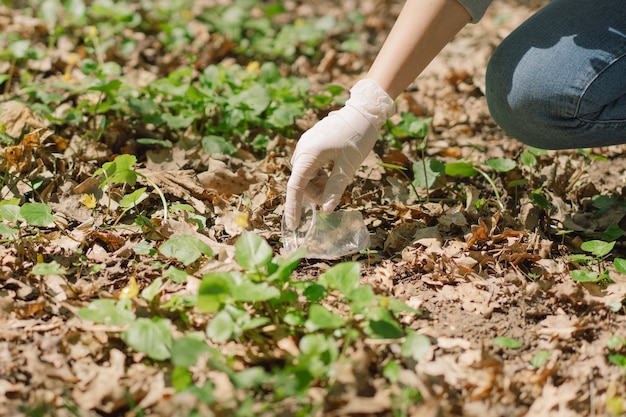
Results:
[422, 29]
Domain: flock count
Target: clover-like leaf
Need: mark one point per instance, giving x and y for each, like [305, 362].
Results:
[152, 337]
[321, 318]
[416, 345]
[597, 248]
[108, 311]
[507, 342]
[52, 268]
[501, 164]
[252, 251]
[37, 214]
[186, 248]
[344, 277]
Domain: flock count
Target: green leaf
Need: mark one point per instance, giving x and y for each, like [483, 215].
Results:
[254, 323]
[294, 319]
[344, 277]
[249, 378]
[254, 99]
[185, 248]
[152, 290]
[214, 290]
[392, 166]
[603, 202]
[381, 324]
[320, 346]
[581, 275]
[179, 121]
[10, 212]
[362, 298]
[501, 164]
[615, 342]
[314, 292]
[537, 151]
[252, 252]
[107, 311]
[613, 232]
[528, 158]
[19, 49]
[540, 199]
[507, 342]
[176, 275]
[620, 265]
[285, 266]
[427, 172]
[284, 116]
[143, 247]
[52, 268]
[321, 318]
[133, 199]
[460, 169]
[9, 232]
[151, 141]
[216, 144]
[107, 88]
[392, 370]
[540, 358]
[247, 291]
[618, 359]
[181, 378]
[119, 171]
[518, 182]
[352, 44]
[152, 337]
[187, 349]
[37, 214]
[415, 346]
[598, 248]
[580, 258]
[221, 327]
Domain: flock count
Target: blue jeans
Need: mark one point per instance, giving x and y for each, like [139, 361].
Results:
[559, 80]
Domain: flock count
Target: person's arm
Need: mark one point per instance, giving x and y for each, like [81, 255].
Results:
[422, 29]
[345, 137]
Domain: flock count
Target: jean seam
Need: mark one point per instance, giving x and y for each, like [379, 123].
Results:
[580, 98]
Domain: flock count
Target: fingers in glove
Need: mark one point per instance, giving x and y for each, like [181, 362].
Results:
[337, 183]
[293, 205]
[315, 189]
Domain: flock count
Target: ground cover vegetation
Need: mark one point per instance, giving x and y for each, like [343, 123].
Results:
[145, 150]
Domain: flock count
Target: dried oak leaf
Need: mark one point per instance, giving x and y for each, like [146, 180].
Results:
[222, 179]
[16, 116]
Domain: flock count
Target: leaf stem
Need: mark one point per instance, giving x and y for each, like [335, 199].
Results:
[492, 184]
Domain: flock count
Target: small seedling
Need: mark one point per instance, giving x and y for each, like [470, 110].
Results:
[597, 251]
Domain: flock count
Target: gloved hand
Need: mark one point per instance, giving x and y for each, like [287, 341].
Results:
[343, 138]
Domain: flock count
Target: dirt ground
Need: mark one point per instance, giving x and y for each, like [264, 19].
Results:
[475, 274]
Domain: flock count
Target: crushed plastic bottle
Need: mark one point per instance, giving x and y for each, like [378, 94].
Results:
[327, 236]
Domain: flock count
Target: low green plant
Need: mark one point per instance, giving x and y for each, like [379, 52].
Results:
[616, 346]
[596, 253]
[260, 306]
[120, 171]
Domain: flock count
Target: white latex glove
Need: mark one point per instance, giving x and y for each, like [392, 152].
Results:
[343, 138]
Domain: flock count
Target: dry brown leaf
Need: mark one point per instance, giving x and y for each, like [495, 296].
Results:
[559, 326]
[17, 117]
[554, 400]
[223, 179]
[100, 387]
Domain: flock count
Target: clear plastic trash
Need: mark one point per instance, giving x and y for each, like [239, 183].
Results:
[331, 236]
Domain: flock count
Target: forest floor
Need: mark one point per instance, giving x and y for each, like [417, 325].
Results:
[489, 261]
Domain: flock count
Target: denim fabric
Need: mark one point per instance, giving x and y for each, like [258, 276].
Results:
[559, 80]
[476, 8]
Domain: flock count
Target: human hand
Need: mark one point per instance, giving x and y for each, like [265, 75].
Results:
[343, 138]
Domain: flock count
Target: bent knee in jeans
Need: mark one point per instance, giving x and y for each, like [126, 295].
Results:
[556, 83]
